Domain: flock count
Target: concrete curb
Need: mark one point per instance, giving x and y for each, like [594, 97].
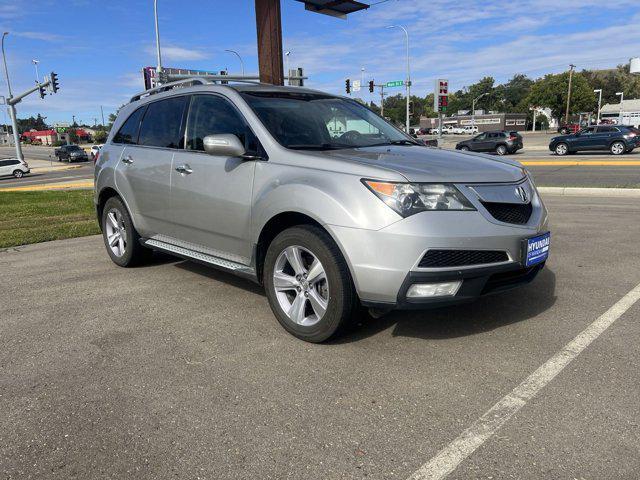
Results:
[591, 192]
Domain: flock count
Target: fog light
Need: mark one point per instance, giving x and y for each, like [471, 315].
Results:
[444, 289]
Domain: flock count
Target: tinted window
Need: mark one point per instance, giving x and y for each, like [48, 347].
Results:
[607, 129]
[128, 133]
[4, 163]
[161, 126]
[211, 115]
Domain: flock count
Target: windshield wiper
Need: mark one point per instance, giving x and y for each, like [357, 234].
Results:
[391, 142]
[322, 146]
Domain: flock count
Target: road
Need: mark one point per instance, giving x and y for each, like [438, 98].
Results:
[174, 370]
[596, 172]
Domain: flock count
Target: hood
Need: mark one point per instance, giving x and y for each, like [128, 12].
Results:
[424, 164]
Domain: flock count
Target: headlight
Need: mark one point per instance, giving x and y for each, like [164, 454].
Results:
[409, 198]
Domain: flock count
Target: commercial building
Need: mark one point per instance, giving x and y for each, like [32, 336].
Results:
[626, 114]
[484, 122]
[49, 137]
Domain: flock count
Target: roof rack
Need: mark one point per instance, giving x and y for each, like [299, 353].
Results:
[169, 86]
[190, 80]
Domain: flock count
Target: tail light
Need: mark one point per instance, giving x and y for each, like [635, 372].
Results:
[95, 157]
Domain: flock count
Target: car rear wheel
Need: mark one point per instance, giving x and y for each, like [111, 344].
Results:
[501, 149]
[18, 173]
[308, 284]
[617, 148]
[562, 149]
[120, 237]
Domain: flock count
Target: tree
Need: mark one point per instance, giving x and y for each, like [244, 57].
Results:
[512, 96]
[73, 136]
[100, 136]
[32, 123]
[551, 92]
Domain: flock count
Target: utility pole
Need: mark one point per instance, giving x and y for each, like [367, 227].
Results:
[382, 100]
[12, 108]
[473, 108]
[102, 113]
[566, 116]
[620, 117]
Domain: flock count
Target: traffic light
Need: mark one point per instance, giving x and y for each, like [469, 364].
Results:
[54, 82]
[42, 91]
[347, 84]
[371, 86]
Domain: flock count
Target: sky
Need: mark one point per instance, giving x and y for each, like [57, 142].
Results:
[98, 48]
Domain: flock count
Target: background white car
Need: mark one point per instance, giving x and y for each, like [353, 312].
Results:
[13, 166]
[94, 151]
[470, 129]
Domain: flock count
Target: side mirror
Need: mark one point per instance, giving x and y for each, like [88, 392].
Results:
[223, 145]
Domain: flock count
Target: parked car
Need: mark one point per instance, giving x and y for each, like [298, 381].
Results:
[258, 187]
[457, 130]
[499, 142]
[71, 153]
[13, 166]
[425, 131]
[95, 149]
[618, 139]
[568, 128]
[470, 129]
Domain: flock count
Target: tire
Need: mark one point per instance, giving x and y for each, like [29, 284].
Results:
[131, 253]
[501, 150]
[334, 291]
[18, 173]
[617, 148]
[561, 149]
[464, 148]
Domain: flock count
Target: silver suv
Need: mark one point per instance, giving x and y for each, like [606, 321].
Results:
[315, 197]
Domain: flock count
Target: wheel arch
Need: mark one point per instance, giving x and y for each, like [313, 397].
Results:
[280, 222]
[105, 194]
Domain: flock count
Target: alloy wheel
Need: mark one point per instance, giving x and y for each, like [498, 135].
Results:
[561, 149]
[617, 148]
[18, 174]
[116, 232]
[301, 285]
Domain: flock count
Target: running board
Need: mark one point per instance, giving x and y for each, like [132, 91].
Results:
[221, 263]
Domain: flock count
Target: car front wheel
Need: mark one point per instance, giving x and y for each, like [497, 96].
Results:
[618, 148]
[562, 149]
[464, 148]
[308, 284]
[18, 173]
[501, 150]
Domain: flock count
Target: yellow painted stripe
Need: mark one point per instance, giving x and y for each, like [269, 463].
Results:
[582, 163]
[49, 186]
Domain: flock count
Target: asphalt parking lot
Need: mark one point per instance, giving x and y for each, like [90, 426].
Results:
[174, 370]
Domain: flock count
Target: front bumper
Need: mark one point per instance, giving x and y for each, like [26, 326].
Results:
[384, 263]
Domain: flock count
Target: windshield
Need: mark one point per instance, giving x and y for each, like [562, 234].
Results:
[309, 121]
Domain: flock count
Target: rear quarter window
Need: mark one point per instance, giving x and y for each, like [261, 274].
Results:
[128, 133]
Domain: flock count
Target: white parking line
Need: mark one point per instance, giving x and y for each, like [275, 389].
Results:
[448, 459]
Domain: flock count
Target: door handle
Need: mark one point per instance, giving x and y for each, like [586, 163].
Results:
[186, 169]
[127, 159]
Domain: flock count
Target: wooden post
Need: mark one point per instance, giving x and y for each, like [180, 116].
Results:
[269, 29]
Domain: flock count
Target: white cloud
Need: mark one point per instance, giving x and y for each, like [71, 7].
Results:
[174, 53]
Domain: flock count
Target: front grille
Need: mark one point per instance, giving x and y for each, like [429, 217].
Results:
[459, 258]
[509, 212]
[506, 280]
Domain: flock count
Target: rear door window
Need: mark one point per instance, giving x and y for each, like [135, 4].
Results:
[162, 123]
[128, 133]
[607, 129]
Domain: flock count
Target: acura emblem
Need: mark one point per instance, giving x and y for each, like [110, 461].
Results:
[521, 193]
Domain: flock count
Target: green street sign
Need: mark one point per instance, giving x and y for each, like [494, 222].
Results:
[395, 83]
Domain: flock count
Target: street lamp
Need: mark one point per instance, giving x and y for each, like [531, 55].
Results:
[155, 14]
[621, 95]
[287, 54]
[406, 33]
[36, 62]
[599, 92]
[473, 108]
[239, 57]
